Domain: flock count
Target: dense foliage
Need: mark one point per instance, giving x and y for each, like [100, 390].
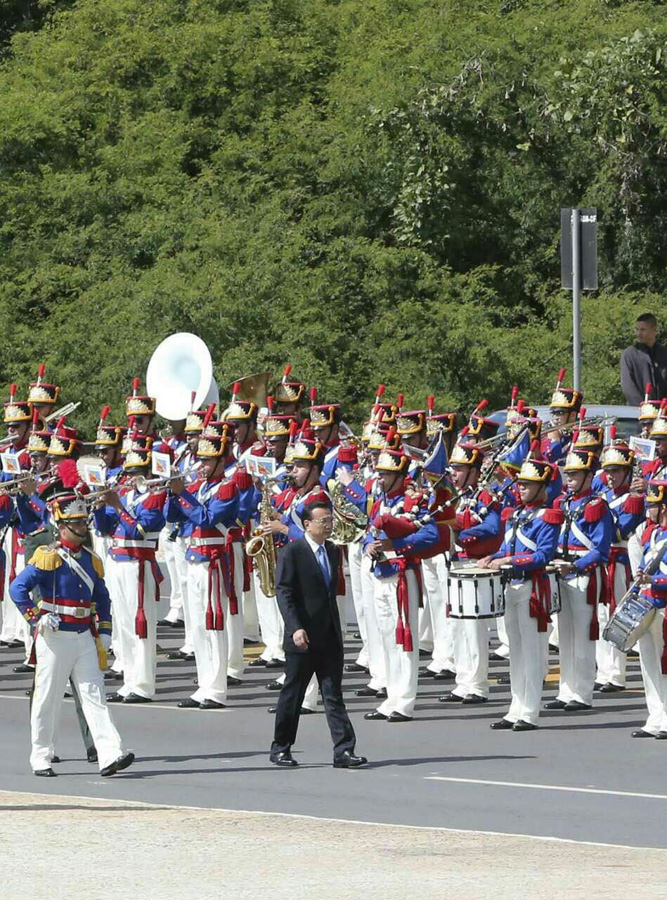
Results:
[369, 189]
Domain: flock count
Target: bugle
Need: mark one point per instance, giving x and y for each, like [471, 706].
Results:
[148, 484]
[600, 421]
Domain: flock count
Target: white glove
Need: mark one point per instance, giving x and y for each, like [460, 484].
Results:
[106, 641]
[49, 621]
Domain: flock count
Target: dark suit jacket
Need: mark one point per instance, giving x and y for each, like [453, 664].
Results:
[304, 599]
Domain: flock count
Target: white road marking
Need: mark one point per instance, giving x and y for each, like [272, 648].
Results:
[546, 787]
[257, 812]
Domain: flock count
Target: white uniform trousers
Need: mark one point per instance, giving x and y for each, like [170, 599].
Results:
[211, 647]
[355, 557]
[576, 649]
[611, 661]
[180, 547]
[528, 654]
[651, 645]
[14, 626]
[234, 624]
[61, 655]
[401, 666]
[138, 657]
[271, 624]
[250, 618]
[503, 648]
[471, 656]
[376, 659]
[425, 629]
[434, 576]
[171, 550]
[101, 545]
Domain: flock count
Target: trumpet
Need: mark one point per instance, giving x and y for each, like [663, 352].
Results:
[65, 410]
[600, 421]
[147, 484]
[14, 486]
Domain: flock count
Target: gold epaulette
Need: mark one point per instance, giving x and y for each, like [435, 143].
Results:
[46, 558]
[98, 565]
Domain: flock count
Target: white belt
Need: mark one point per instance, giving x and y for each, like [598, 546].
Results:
[207, 542]
[121, 542]
[77, 612]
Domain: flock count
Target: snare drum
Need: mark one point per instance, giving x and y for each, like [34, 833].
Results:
[474, 593]
[555, 602]
[631, 618]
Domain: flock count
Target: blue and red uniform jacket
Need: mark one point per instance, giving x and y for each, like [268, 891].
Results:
[135, 529]
[531, 541]
[335, 455]
[654, 539]
[628, 513]
[292, 504]
[555, 450]
[479, 524]
[80, 606]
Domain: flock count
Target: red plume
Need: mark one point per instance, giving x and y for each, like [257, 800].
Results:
[135, 386]
[105, 412]
[430, 402]
[270, 403]
[464, 431]
[286, 372]
[35, 419]
[12, 391]
[515, 394]
[663, 408]
[582, 413]
[561, 376]
[534, 447]
[293, 428]
[481, 405]
[380, 393]
[649, 390]
[612, 433]
[521, 405]
[68, 473]
[391, 434]
[61, 421]
[40, 371]
[305, 425]
[209, 414]
[313, 395]
[130, 426]
[399, 401]
[235, 389]
[575, 436]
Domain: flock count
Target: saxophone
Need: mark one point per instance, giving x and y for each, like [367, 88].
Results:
[261, 547]
[349, 522]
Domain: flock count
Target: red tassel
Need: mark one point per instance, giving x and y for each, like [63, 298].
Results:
[219, 617]
[407, 639]
[209, 615]
[140, 624]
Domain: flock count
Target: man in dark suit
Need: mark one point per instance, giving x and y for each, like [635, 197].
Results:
[306, 592]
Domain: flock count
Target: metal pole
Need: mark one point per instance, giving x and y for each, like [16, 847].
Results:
[576, 298]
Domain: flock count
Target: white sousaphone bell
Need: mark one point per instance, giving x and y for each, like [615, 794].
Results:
[180, 366]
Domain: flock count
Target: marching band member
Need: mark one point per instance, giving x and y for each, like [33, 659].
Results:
[565, 406]
[478, 535]
[133, 517]
[627, 510]
[73, 616]
[648, 412]
[209, 510]
[176, 445]
[394, 538]
[529, 544]
[42, 397]
[140, 409]
[289, 396]
[583, 549]
[653, 643]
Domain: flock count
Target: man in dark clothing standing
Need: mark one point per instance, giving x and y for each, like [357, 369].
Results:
[645, 363]
[306, 593]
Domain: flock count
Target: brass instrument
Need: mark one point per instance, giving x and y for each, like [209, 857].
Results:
[14, 486]
[350, 522]
[601, 421]
[253, 388]
[261, 548]
[65, 410]
[148, 484]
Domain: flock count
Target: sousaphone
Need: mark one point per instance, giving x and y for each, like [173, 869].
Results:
[180, 367]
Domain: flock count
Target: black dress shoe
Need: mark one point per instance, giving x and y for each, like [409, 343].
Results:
[188, 703]
[661, 736]
[474, 699]
[91, 755]
[211, 704]
[284, 759]
[641, 734]
[424, 654]
[382, 694]
[611, 688]
[232, 680]
[427, 673]
[258, 663]
[553, 648]
[450, 698]
[399, 717]
[15, 643]
[366, 692]
[375, 715]
[555, 704]
[179, 655]
[118, 765]
[113, 676]
[55, 759]
[632, 654]
[23, 669]
[503, 679]
[304, 711]
[524, 726]
[45, 773]
[496, 657]
[115, 697]
[357, 635]
[347, 760]
[355, 667]
[576, 706]
[502, 725]
[274, 686]
[445, 675]
[598, 685]
[136, 698]
[275, 664]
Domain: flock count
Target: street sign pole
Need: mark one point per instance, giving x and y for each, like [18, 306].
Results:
[576, 297]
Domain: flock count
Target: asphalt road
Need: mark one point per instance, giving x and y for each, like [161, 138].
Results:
[579, 777]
